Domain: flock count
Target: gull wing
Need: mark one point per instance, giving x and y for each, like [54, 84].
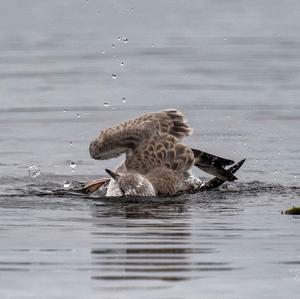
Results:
[130, 135]
[216, 182]
[214, 165]
[160, 152]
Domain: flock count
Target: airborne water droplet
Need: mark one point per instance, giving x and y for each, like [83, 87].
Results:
[123, 100]
[113, 45]
[125, 39]
[106, 104]
[122, 63]
[73, 165]
[78, 115]
[33, 171]
[114, 76]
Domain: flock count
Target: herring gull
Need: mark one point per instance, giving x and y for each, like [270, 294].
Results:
[157, 163]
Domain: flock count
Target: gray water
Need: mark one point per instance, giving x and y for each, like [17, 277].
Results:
[233, 67]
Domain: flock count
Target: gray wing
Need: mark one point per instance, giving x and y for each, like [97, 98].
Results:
[129, 136]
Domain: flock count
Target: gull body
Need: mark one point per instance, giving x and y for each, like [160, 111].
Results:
[157, 162]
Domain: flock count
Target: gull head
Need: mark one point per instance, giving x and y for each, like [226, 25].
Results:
[132, 184]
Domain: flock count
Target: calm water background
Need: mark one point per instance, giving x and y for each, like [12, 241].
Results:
[233, 67]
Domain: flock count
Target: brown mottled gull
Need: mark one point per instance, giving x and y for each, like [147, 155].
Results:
[157, 162]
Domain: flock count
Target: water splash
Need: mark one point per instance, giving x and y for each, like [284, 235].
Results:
[33, 171]
[67, 185]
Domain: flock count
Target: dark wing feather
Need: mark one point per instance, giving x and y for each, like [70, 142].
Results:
[214, 165]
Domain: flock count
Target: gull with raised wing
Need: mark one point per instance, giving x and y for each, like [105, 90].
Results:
[157, 163]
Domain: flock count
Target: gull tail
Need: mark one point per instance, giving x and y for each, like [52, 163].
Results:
[213, 165]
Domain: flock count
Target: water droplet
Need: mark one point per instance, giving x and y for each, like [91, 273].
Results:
[71, 143]
[125, 39]
[152, 45]
[73, 165]
[114, 76]
[119, 38]
[122, 63]
[78, 115]
[65, 110]
[113, 45]
[33, 171]
[275, 172]
[67, 185]
[103, 52]
[123, 100]
[106, 104]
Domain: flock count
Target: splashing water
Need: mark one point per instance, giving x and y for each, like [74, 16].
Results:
[67, 185]
[33, 171]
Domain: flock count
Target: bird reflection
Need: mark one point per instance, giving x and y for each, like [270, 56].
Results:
[148, 241]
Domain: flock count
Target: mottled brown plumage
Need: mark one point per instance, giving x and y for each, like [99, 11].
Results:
[155, 152]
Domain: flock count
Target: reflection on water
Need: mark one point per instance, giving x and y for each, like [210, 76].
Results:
[152, 242]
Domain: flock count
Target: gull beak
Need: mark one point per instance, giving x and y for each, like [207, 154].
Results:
[114, 175]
